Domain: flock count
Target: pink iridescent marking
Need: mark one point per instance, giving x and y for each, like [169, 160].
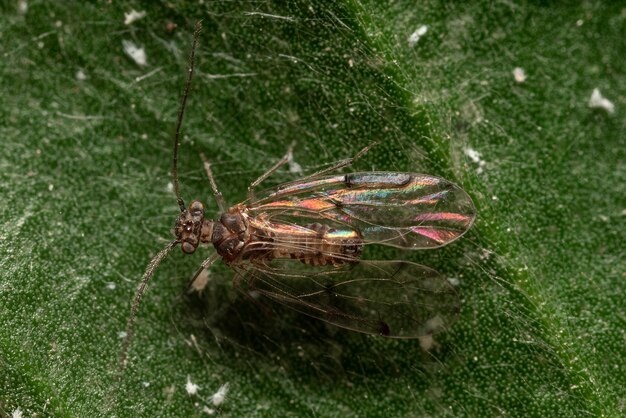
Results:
[428, 199]
[442, 216]
[311, 204]
[438, 235]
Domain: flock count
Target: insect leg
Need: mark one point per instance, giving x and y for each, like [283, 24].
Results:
[219, 199]
[341, 164]
[205, 265]
[271, 171]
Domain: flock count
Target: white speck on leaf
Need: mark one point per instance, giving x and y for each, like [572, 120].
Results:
[294, 167]
[191, 387]
[122, 334]
[80, 75]
[17, 413]
[137, 54]
[111, 286]
[598, 101]
[132, 16]
[486, 254]
[220, 396]
[454, 281]
[426, 342]
[475, 157]
[519, 74]
[415, 36]
[22, 8]
[208, 410]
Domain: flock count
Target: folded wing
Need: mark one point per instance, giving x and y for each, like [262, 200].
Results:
[406, 210]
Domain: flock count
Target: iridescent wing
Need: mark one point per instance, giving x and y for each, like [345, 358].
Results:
[406, 210]
[397, 299]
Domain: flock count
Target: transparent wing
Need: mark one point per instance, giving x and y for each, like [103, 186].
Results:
[404, 210]
[397, 299]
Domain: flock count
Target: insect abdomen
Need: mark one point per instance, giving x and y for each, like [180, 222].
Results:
[323, 246]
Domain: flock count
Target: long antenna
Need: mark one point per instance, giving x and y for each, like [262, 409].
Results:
[181, 113]
[154, 263]
[128, 336]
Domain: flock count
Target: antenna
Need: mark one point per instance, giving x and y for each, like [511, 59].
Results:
[154, 263]
[181, 113]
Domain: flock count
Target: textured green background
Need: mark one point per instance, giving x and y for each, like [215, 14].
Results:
[85, 203]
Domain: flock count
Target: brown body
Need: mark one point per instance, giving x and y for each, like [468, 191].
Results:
[238, 236]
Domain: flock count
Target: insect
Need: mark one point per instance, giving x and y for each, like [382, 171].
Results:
[300, 244]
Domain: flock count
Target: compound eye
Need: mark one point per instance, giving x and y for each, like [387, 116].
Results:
[196, 208]
[188, 248]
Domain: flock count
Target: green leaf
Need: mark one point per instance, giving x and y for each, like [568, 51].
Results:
[87, 201]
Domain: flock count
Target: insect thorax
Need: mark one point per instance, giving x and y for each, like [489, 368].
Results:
[230, 235]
